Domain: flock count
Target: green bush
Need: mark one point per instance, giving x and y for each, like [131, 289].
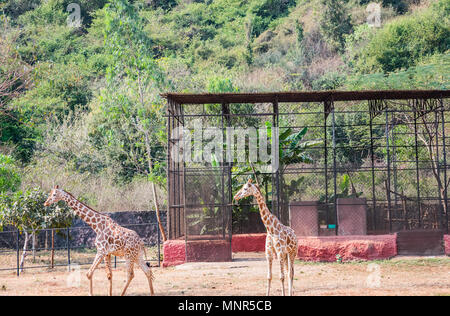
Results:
[26, 211]
[401, 43]
[266, 11]
[9, 177]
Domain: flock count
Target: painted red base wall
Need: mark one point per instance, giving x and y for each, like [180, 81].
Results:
[367, 247]
[174, 252]
[310, 248]
[248, 242]
[347, 247]
[447, 244]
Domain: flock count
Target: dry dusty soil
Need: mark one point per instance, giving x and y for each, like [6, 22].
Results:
[246, 275]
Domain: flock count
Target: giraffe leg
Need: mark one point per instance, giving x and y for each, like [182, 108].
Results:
[269, 274]
[98, 258]
[290, 273]
[148, 272]
[109, 272]
[269, 258]
[130, 269]
[282, 265]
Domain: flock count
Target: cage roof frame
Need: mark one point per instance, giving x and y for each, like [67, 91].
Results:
[302, 96]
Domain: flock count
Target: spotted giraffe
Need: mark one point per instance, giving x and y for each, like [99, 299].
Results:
[280, 240]
[112, 239]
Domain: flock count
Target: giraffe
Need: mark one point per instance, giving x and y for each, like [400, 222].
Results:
[280, 240]
[112, 239]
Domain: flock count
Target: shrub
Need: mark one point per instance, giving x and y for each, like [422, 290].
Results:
[9, 178]
[404, 41]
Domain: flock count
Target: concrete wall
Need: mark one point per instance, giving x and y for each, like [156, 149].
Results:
[352, 216]
[304, 218]
[81, 235]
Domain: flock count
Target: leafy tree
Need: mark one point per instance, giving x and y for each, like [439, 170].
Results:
[130, 107]
[403, 42]
[266, 11]
[9, 178]
[335, 23]
[293, 149]
[430, 73]
[26, 211]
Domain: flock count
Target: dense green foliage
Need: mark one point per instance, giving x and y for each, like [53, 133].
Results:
[86, 107]
[9, 177]
[403, 42]
[26, 211]
[335, 23]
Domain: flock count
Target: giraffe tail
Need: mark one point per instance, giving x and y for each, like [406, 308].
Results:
[148, 264]
[145, 257]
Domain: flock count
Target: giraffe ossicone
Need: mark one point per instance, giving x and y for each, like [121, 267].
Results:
[111, 240]
[281, 240]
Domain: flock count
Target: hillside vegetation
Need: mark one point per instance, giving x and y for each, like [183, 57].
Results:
[80, 105]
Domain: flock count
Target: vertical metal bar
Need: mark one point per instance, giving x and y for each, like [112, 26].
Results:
[227, 165]
[417, 169]
[183, 194]
[169, 167]
[394, 162]
[372, 166]
[182, 172]
[115, 262]
[224, 208]
[276, 176]
[437, 162]
[18, 252]
[333, 120]
[444, 158]
[388, 181]
[230, 189]
[325, 116]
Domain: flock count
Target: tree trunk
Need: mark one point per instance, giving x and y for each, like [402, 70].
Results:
[155, 195]
[24, 253]
[149, 155]
[158, 217]
[33, 244]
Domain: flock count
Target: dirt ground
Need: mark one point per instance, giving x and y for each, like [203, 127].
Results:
[246, 275]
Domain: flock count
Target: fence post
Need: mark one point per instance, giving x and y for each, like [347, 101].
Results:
[68, 247]
[53, 249]
[18, 252]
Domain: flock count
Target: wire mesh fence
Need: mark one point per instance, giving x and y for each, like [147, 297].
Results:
[371, 162]
[52, 248]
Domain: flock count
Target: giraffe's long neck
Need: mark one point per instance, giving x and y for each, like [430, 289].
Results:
[270, 221]
[94, 219]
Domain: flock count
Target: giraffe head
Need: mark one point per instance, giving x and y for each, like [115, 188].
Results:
[247, 190]
[55, 196]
